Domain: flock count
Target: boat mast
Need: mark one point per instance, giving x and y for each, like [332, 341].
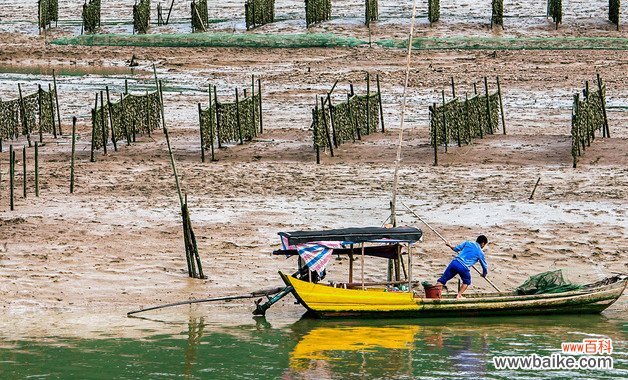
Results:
[393, 203]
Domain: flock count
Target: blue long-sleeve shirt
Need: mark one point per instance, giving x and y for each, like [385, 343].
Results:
[471, 253]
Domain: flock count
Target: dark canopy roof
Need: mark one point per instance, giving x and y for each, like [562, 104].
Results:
[355, 235]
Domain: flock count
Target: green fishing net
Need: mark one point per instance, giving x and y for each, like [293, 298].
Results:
[547, 282]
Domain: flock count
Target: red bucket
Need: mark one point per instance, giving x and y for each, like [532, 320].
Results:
[433, 291]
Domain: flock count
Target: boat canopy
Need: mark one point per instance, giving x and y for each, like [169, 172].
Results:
[355, 235]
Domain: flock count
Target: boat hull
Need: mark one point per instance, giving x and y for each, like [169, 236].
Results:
[326, 302]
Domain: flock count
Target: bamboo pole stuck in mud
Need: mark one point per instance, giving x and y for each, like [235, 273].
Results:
[329, 142]
[72, 156]
[501, 105]
[443, 239]
[259, 91]
[200, 123]
[368, 103]
[217, 118]
[103, 125]
[316, 146]
[148, 128]
[446, 135]
[381, 107]
[11, 177]
[488, 106]
[172, 162]
[54, 81]
[124, 121]
[237, 102]
[453, 87]
[113, 134]
[23, 114]
[331, 119]
[24, 170]
[91, 157]
[36, 169]
[535, 186]
[41, 137]
[253, 105]
[600, 86]
[434, 135]
[189, 238]
[212, 126]
[52, 112]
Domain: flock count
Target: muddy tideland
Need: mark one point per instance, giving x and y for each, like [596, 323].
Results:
[116, 243]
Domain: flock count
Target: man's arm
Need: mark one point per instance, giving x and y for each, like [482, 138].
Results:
[484, 265]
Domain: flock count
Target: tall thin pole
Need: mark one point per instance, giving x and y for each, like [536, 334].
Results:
[54, 79]
[103, 123]
[113, 133]
[238, 117]
[259, 91]
[52, 112]
[41, 137]
[379, 97]
[200, 122]
[393, 203]
[488, 106]
[172, 163]
[11, 176]
[24, 170]
[72, 157]
[36, 169]
[501, 105]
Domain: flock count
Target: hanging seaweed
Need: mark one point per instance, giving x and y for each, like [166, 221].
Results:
[31, 113]
[587, 119]
[614, 9]
[9, 119]
[556, 11]
[200, 18]
[219, 121]
[465, 120]
[497, 17]
[133, 114]
[259, 12]
[141, 17]
[317, 11]
[371, 12]
[48, 12]
[358, 116]
[47, 111]
[91, 16]
[433, 10]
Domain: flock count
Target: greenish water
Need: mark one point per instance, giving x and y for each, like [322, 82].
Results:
[349, 349]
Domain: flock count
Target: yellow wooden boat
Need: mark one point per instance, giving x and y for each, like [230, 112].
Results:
[326, 301]
[399, 297]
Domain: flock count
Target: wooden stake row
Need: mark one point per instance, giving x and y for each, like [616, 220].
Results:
[335, 123]
[212, 121]
[462, 111]
[12, 183]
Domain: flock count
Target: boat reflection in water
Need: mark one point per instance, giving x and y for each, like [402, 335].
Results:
[397, 350]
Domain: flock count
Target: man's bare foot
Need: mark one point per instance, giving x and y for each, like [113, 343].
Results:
[459, 296]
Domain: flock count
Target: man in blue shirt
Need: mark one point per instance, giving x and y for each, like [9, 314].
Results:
[470, 253]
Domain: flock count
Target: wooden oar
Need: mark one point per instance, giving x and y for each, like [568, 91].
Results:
[445, 240]
[226, 298]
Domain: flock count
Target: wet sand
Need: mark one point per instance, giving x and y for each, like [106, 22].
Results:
[116, 244]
